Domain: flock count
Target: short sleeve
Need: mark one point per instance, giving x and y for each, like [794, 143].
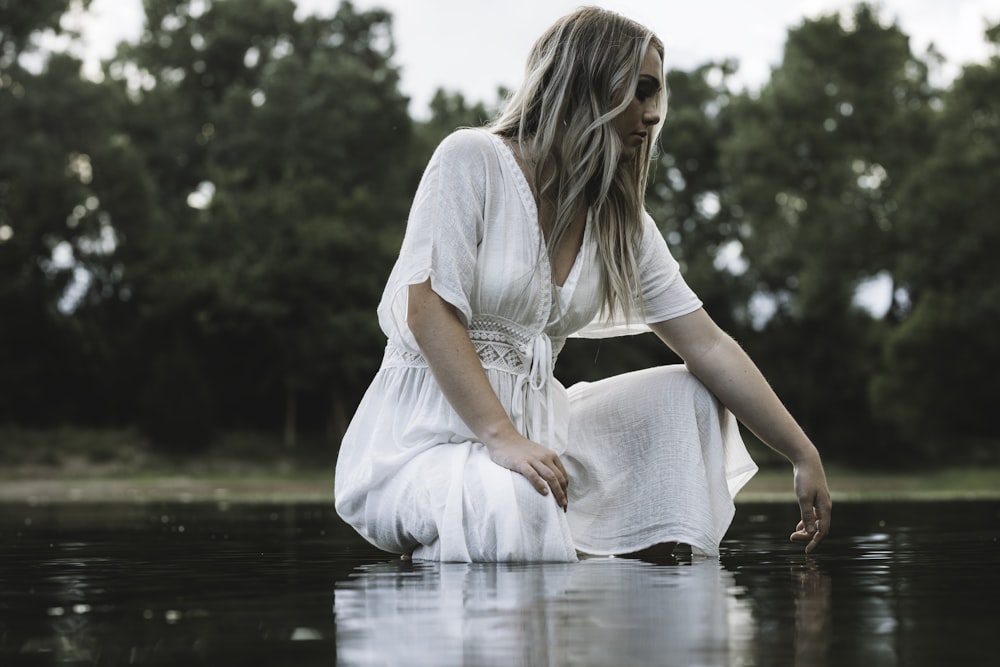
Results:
[443, 230]
[665, 293]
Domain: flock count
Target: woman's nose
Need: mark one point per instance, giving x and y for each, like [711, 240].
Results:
[651, 114]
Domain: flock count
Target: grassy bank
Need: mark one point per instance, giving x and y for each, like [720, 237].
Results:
[850, 484]
[79, 465]
[111, 453]
[71, 464]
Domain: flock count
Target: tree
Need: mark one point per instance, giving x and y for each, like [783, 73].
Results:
[814, 164]
[53, 221]
[940, 361]
[21, 22]
[275, 143]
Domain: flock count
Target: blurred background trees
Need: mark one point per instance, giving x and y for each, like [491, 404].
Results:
[196, 242]
[815, 164]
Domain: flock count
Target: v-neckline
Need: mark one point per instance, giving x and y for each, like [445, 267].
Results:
[574, 271]
[528, 196]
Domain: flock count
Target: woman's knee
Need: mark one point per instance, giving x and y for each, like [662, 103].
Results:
[677, 379]
[677, 385]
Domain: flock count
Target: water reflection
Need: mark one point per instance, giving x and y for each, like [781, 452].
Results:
[175, 584]
[813, 631]
[596, 612]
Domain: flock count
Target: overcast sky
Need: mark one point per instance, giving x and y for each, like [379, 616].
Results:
[474, 46]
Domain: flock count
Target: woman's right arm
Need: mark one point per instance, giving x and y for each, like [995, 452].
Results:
[452, 358]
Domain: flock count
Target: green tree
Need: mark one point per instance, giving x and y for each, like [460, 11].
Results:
[814, 165]
[940, 361]
[54, 223]
[21, 22]
[276, 146]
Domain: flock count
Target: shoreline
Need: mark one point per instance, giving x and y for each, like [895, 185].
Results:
[768, 486]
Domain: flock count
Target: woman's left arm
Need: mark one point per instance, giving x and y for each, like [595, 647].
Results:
[729, 373]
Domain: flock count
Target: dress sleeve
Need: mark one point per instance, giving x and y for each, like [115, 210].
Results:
[443, 231]
[665, 293]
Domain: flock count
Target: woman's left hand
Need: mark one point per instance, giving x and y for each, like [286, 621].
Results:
[815, 504]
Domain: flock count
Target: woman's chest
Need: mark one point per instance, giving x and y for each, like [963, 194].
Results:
[514, 279]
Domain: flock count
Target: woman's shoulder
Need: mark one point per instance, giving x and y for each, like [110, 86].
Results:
[468, 155]
[653, 246]
[649, 230]
[467, 143]
[470, 137]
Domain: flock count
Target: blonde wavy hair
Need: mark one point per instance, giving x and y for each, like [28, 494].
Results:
[580, 75]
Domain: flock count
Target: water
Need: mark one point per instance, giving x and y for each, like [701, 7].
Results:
[216, 584]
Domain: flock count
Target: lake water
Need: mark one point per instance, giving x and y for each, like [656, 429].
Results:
[904, 584]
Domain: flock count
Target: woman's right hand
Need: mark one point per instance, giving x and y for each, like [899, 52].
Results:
[540, 465]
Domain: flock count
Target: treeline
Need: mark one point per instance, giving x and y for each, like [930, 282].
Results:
[195, 242]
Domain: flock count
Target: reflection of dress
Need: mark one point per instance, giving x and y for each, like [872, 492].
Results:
[651, 456]
[603, 611]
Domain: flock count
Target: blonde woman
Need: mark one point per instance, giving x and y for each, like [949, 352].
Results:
[466, 447]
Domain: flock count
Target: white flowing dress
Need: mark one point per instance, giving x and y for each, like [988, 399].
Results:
[651, 456]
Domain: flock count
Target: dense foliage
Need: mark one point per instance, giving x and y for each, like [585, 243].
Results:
[196, 241]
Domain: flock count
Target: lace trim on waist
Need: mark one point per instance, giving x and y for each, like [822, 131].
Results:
[500, 343]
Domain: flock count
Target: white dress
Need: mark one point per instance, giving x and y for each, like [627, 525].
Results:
[651, 456]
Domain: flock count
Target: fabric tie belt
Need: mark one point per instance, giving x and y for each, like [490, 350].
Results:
[528, 356]
[533, 404]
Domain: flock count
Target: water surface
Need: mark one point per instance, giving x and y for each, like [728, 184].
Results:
[240, 584]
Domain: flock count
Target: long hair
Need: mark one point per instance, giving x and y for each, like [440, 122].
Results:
[580, 75]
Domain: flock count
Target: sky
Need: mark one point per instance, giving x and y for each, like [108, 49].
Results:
[475, 46]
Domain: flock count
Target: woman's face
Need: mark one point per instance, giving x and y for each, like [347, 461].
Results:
[643, 111]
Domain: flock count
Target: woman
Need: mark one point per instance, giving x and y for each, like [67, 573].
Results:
[465, 447]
